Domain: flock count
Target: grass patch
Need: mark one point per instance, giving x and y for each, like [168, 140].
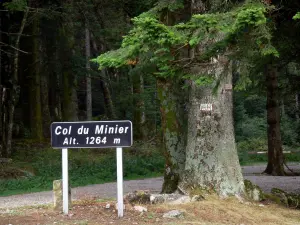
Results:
[250, 159]
[86, 166]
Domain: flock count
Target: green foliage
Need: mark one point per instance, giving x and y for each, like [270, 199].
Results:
[253, 144]
[86, 167]
[216, 32]
[297, 16]
[170, 5]
[289, 132]
[15, 5]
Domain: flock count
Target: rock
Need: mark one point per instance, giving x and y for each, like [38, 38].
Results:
[140, 196]
[173, 214]
[169, 198]
[288, 199]
[197, 198]
[140, 208]
[58, 195]
[253, 191]
[107, 206]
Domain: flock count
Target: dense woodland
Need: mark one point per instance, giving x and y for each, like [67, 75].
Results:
[161, 64]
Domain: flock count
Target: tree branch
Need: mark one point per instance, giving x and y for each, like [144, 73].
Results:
[13, 47]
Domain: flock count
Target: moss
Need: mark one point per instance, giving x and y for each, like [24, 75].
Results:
[170, 183]
[201, 191]
[288, 199]
[253, 191]
[273, 198]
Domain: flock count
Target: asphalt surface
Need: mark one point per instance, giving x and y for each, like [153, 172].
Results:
[109, 190]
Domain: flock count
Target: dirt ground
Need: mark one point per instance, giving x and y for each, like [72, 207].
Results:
[212, 211]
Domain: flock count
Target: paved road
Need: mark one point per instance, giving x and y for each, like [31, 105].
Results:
[109, 190]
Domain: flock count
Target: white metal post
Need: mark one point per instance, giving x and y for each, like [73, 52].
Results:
[120, 181]
[65, 178]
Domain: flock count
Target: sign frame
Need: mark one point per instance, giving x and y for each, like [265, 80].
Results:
[92, 122]
[119, 158]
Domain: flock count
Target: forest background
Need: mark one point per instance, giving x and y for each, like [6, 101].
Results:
[46, 75]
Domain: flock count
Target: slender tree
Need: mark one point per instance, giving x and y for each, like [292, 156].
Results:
[88, 76]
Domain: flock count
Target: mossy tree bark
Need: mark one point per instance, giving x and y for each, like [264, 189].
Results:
[275, 153]
[173, 127]
[212, 162]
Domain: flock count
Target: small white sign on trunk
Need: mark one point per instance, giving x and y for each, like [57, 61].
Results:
[206, 107]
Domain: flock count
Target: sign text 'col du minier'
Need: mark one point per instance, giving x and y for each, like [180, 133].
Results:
[94, 134]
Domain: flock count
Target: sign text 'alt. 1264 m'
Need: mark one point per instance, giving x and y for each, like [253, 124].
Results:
[93, 134]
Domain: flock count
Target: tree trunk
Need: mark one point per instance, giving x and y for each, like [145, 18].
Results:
[69, 82]
[36, 120]
[2, 130]
[139, 109]
[297, 106]
[212, 162]
[275, 154]
[56, 89]
[69, 102]
[88, 76]
[173, 127]
[14, 92]
[1, 91]
[45, 104]
[109, 107]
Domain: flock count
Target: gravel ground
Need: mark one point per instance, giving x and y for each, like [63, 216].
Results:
[109, 190]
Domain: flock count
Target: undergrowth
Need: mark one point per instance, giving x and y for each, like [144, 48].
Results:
[86, 166]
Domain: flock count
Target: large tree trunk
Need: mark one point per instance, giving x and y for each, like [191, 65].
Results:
[212, 162]
[275, 153]
[174, 131]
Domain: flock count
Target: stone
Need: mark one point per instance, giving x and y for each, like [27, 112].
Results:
[288, 199]
[58, 195]
[169, 198]
[107, 206]
[253, 191]
[140, 196]
[140, 208]
[173, 214]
